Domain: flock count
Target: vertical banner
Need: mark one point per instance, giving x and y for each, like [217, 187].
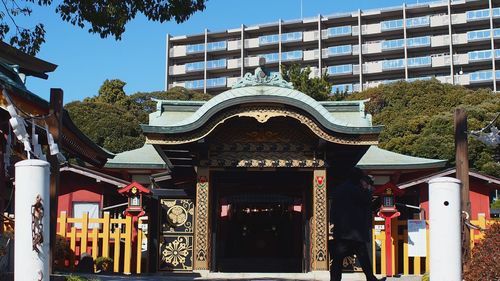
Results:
[417, 238]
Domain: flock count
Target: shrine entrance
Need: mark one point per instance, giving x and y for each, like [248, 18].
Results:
[254, 164]
[260, 221]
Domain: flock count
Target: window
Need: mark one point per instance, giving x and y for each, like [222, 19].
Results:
[423, 78]
[194, 66]
[342, 88]
[419, 61]
[216, 82]
[215, 64]
[391, 24]
[496, 12]
[200, 48]
[194, 84]
[496, 32]
[497, 53]
[393, 44]
[479, 34]
[419, 41]
[268, 39]
[340, 50]
[418, 22]
[480, 55]
[92, 208]
[215, 46]
[272, 57]
[478, 14]
[393, 64]
[480, 76]
[340, 69]
[293, 55]
[339, 31]
[197, 48]
[291, 37]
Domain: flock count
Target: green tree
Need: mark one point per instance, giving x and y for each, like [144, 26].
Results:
[418, 119]
[318, 88]
[111, 91]
[104, 17]
[112, 119]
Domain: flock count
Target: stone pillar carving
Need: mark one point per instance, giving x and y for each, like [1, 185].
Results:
[319, 222]
[202, 226]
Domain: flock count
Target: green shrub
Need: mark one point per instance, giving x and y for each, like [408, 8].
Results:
[484, 265]
[425, 277]
[62, 254]
[104, 264]
[79, 278]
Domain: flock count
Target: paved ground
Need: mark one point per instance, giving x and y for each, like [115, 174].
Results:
[245, 277]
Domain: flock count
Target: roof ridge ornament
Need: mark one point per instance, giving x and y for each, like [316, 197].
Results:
[260, 78]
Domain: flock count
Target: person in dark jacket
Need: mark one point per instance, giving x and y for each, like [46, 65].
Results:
[352, 223]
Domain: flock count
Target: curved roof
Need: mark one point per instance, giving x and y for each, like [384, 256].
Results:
[254, 89]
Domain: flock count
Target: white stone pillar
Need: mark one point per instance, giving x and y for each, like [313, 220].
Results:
[32, 181]
[444, 229]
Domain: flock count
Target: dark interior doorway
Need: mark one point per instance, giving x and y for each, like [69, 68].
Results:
[260, 221]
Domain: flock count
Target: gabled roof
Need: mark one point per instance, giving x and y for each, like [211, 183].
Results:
[451, 171]
[145, 157]
[377, 158]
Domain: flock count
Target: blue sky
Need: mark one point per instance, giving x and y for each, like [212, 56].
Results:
[85, 60]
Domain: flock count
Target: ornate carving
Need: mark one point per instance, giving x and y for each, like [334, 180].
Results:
[176, 246]
[319, 237]
[177, 253]
[257, 112]
[202, 217]
[260, 78]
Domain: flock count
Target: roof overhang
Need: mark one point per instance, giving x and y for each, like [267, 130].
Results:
[100, 177]
[448, 172]
[28, 65]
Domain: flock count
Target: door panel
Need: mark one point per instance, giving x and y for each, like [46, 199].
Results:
[176, 234]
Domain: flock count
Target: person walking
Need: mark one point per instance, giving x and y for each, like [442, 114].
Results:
[352, 223]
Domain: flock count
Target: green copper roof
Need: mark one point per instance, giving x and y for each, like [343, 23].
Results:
[253, 90]
[145, 157]
[380, 159]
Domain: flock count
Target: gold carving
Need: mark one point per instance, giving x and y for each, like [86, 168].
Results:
[177, 215]
[202, 216]
[319, 236]
[177, 252]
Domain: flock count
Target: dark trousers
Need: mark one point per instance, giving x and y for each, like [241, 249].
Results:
[343, 248]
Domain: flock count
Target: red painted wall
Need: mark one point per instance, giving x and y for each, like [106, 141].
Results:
[478, 193]
[78, 188]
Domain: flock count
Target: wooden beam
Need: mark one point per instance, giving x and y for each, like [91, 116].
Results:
[55, 127]
[462, 166]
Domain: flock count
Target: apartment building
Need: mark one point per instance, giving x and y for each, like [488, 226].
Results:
[453, 41]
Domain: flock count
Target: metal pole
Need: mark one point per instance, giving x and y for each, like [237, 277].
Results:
[32, 234]
[444, 229]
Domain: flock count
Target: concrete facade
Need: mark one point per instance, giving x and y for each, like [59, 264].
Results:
[358, 50]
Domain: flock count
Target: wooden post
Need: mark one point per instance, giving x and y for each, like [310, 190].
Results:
[462, 166]
[319, 235]
[202, 226]
[54, 123]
